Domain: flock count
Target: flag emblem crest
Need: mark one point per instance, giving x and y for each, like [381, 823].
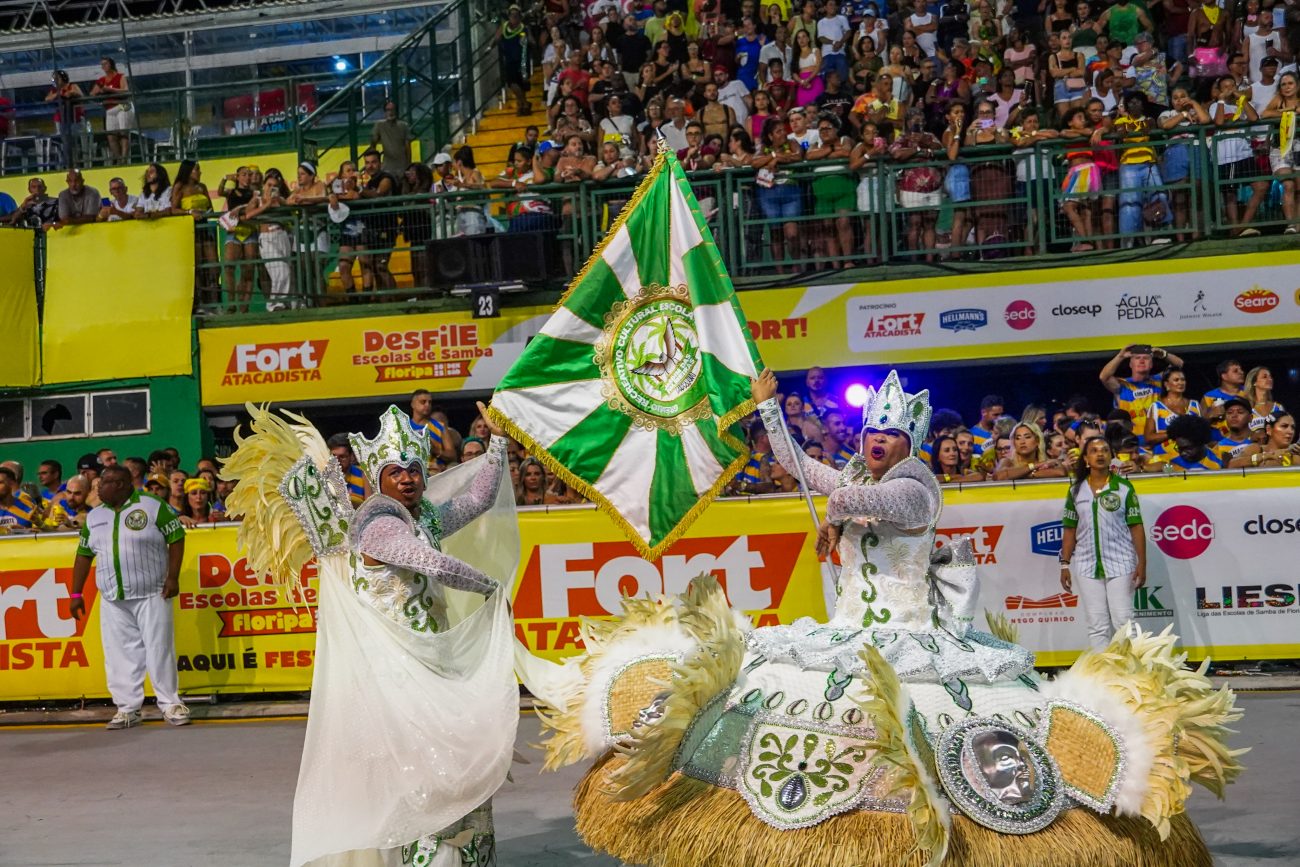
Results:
[649, 357]
[634, 389]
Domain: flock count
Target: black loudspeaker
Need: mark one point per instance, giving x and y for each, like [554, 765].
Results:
[462, 260]
[528, 256]
[494, 258]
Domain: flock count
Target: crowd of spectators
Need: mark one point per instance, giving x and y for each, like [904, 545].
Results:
[1153, 426]
[962, 93]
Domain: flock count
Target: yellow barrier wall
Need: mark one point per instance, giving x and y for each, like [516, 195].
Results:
[20, 361]
[118, 299]
[1232, 594]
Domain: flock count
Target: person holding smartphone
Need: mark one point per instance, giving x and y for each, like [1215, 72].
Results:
[1103, 545]
[1138, 392]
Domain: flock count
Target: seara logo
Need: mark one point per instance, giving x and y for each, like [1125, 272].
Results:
[1182, 532]
[1256, 299]
[1020, 314]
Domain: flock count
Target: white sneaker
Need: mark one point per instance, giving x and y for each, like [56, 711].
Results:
[177, 715]
[124, 719]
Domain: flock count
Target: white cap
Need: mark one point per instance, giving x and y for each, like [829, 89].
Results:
[441, 159]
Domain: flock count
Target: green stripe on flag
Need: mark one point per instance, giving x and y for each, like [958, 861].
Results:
[705, 275]
[671, 493]
[599, 290]
[648, 220]
[728, 389]
[586, 448]
[723, 453]
[552, 361]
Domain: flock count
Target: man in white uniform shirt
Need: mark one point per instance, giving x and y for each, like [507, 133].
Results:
[138, 543]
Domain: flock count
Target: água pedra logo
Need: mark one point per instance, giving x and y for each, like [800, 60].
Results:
[649, 358]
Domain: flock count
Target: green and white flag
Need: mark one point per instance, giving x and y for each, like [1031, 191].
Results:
[634, 388]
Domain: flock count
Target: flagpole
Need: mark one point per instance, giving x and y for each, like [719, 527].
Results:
[829, 578]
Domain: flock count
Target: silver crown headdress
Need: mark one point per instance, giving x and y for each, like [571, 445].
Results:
[396, 443]
[891, 408]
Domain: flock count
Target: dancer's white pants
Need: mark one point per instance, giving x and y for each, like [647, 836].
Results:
[138, 636]
[1107, 605]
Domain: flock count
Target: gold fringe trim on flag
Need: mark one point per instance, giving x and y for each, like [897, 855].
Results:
[689, 823]
[711, 668]
[269, 534]
[882, 700]
[1185, 719]
[649, 552]
[1001, 627]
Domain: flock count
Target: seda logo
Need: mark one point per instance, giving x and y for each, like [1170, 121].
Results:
[1256, 299]
[1020, 314]
[894, 325]
[984, 541]
[1182, 532]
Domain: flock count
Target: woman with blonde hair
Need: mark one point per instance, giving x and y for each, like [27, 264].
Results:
[1028, 458]
[530, 490]
[1259, 391]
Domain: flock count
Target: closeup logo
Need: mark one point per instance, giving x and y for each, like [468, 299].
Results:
[1020, 314]
[1139, 307]
[1024, 603]
[1076, 310]
[965, 319]
[894, 325]
[1256, 299]
[1262, 526]
[984, 541]
[1046, 538]
[1183, 532]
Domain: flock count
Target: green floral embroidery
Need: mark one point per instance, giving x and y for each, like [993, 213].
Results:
[813, 766]
[869, 591]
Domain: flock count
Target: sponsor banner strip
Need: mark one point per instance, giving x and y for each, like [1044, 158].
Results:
[1221, 555]
[1208, 300]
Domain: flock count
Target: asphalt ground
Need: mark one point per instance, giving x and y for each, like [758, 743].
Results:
[220, 792]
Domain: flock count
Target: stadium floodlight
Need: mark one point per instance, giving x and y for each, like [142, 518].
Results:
[856, 394]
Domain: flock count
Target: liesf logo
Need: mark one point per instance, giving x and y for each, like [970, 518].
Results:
[1261, 526]
[1046, 538]
[1256, 299]
[1139, 307]
[965, 319]
[262, 363]
[561, 583]
[894, 325]
[984, 541]
[1182, 532]
[1020, 314]
[1076, 310]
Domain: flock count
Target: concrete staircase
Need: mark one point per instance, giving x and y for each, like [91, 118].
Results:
[501, 127]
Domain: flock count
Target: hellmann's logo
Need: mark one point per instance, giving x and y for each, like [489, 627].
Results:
[267, 363]
[1256, 299]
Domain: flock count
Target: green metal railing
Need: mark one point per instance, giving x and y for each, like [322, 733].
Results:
[441, 77]
[395, 250]
[171, 124]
